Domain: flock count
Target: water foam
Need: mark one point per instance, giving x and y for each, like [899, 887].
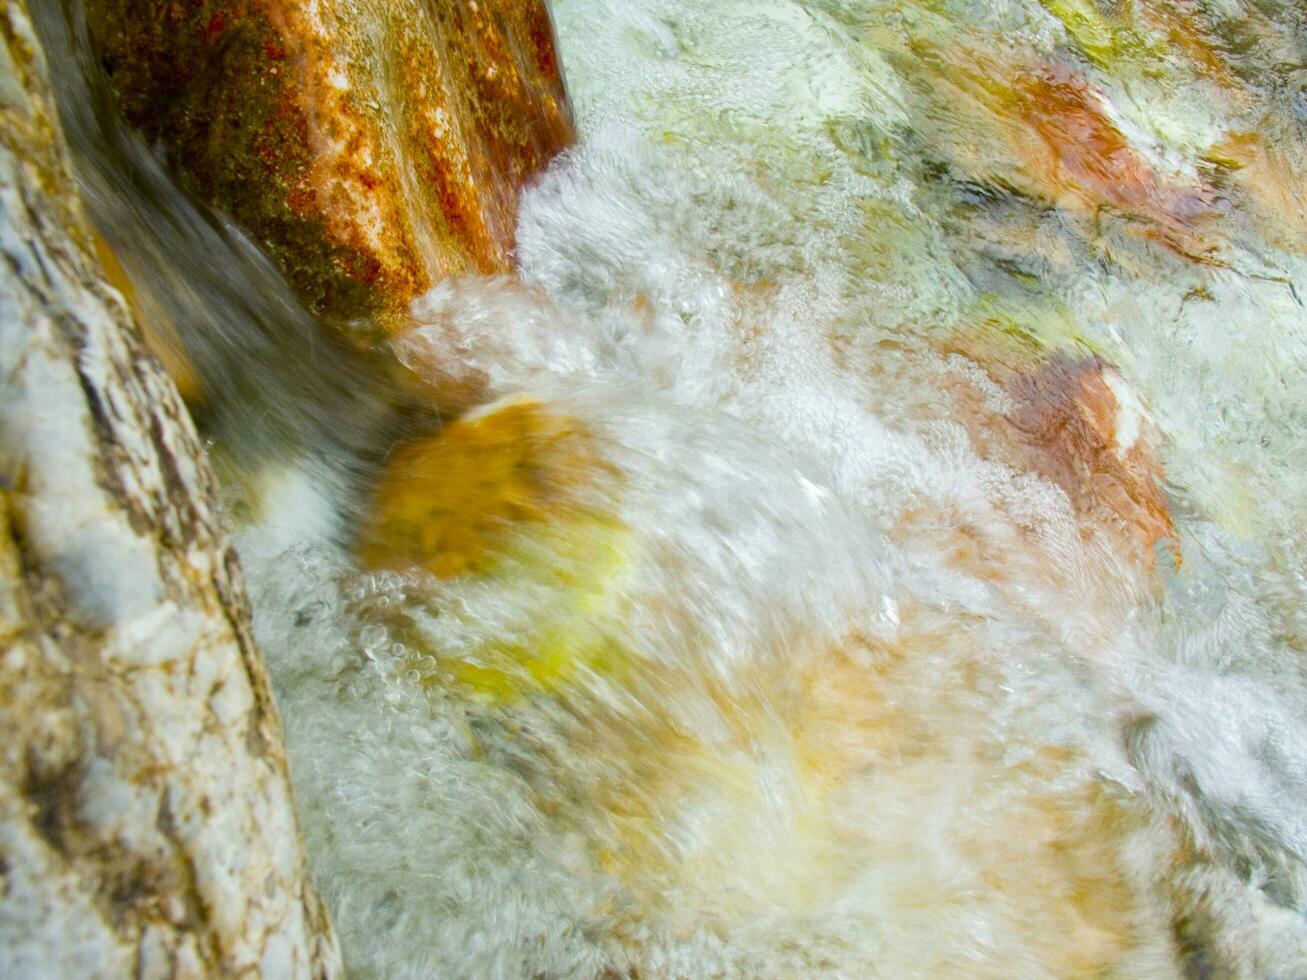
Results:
[891, 702]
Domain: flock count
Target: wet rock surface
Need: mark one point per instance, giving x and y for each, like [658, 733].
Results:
[372, 147]
[146, 818]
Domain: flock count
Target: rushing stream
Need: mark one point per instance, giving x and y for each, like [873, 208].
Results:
[871, 537]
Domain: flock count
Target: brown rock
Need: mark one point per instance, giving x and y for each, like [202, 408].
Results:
[1075, 421]
[371, 146]
[1081, 430]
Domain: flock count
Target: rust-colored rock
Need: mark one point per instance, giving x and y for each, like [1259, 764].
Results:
[1075, 421]
[1083, 429]
[1042, 128]
[371, 146]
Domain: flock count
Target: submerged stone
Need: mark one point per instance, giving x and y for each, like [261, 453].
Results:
[445, 502]
[508, 497]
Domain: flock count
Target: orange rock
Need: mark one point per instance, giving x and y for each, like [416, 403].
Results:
[1266, 172]
[1044, 128]
[1073, 420]
[1091, 153]
[1083, 431]
[446, 502]
[371, 146]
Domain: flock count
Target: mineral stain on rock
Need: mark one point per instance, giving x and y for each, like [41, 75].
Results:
[370, 147]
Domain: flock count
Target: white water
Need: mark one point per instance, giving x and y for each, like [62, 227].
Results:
[890, 703]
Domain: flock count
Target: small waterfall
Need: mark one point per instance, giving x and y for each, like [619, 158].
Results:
[864, 534]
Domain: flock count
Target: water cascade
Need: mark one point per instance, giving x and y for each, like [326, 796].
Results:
[839, 513]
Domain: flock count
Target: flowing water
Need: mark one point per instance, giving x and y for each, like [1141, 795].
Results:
[871, 541]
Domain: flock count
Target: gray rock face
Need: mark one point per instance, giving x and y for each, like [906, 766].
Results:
[146, 819]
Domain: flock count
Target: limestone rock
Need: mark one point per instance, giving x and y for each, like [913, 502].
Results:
[146, 819]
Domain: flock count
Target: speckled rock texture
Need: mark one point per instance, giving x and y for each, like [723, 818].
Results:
[371, 146]
[146, 819]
